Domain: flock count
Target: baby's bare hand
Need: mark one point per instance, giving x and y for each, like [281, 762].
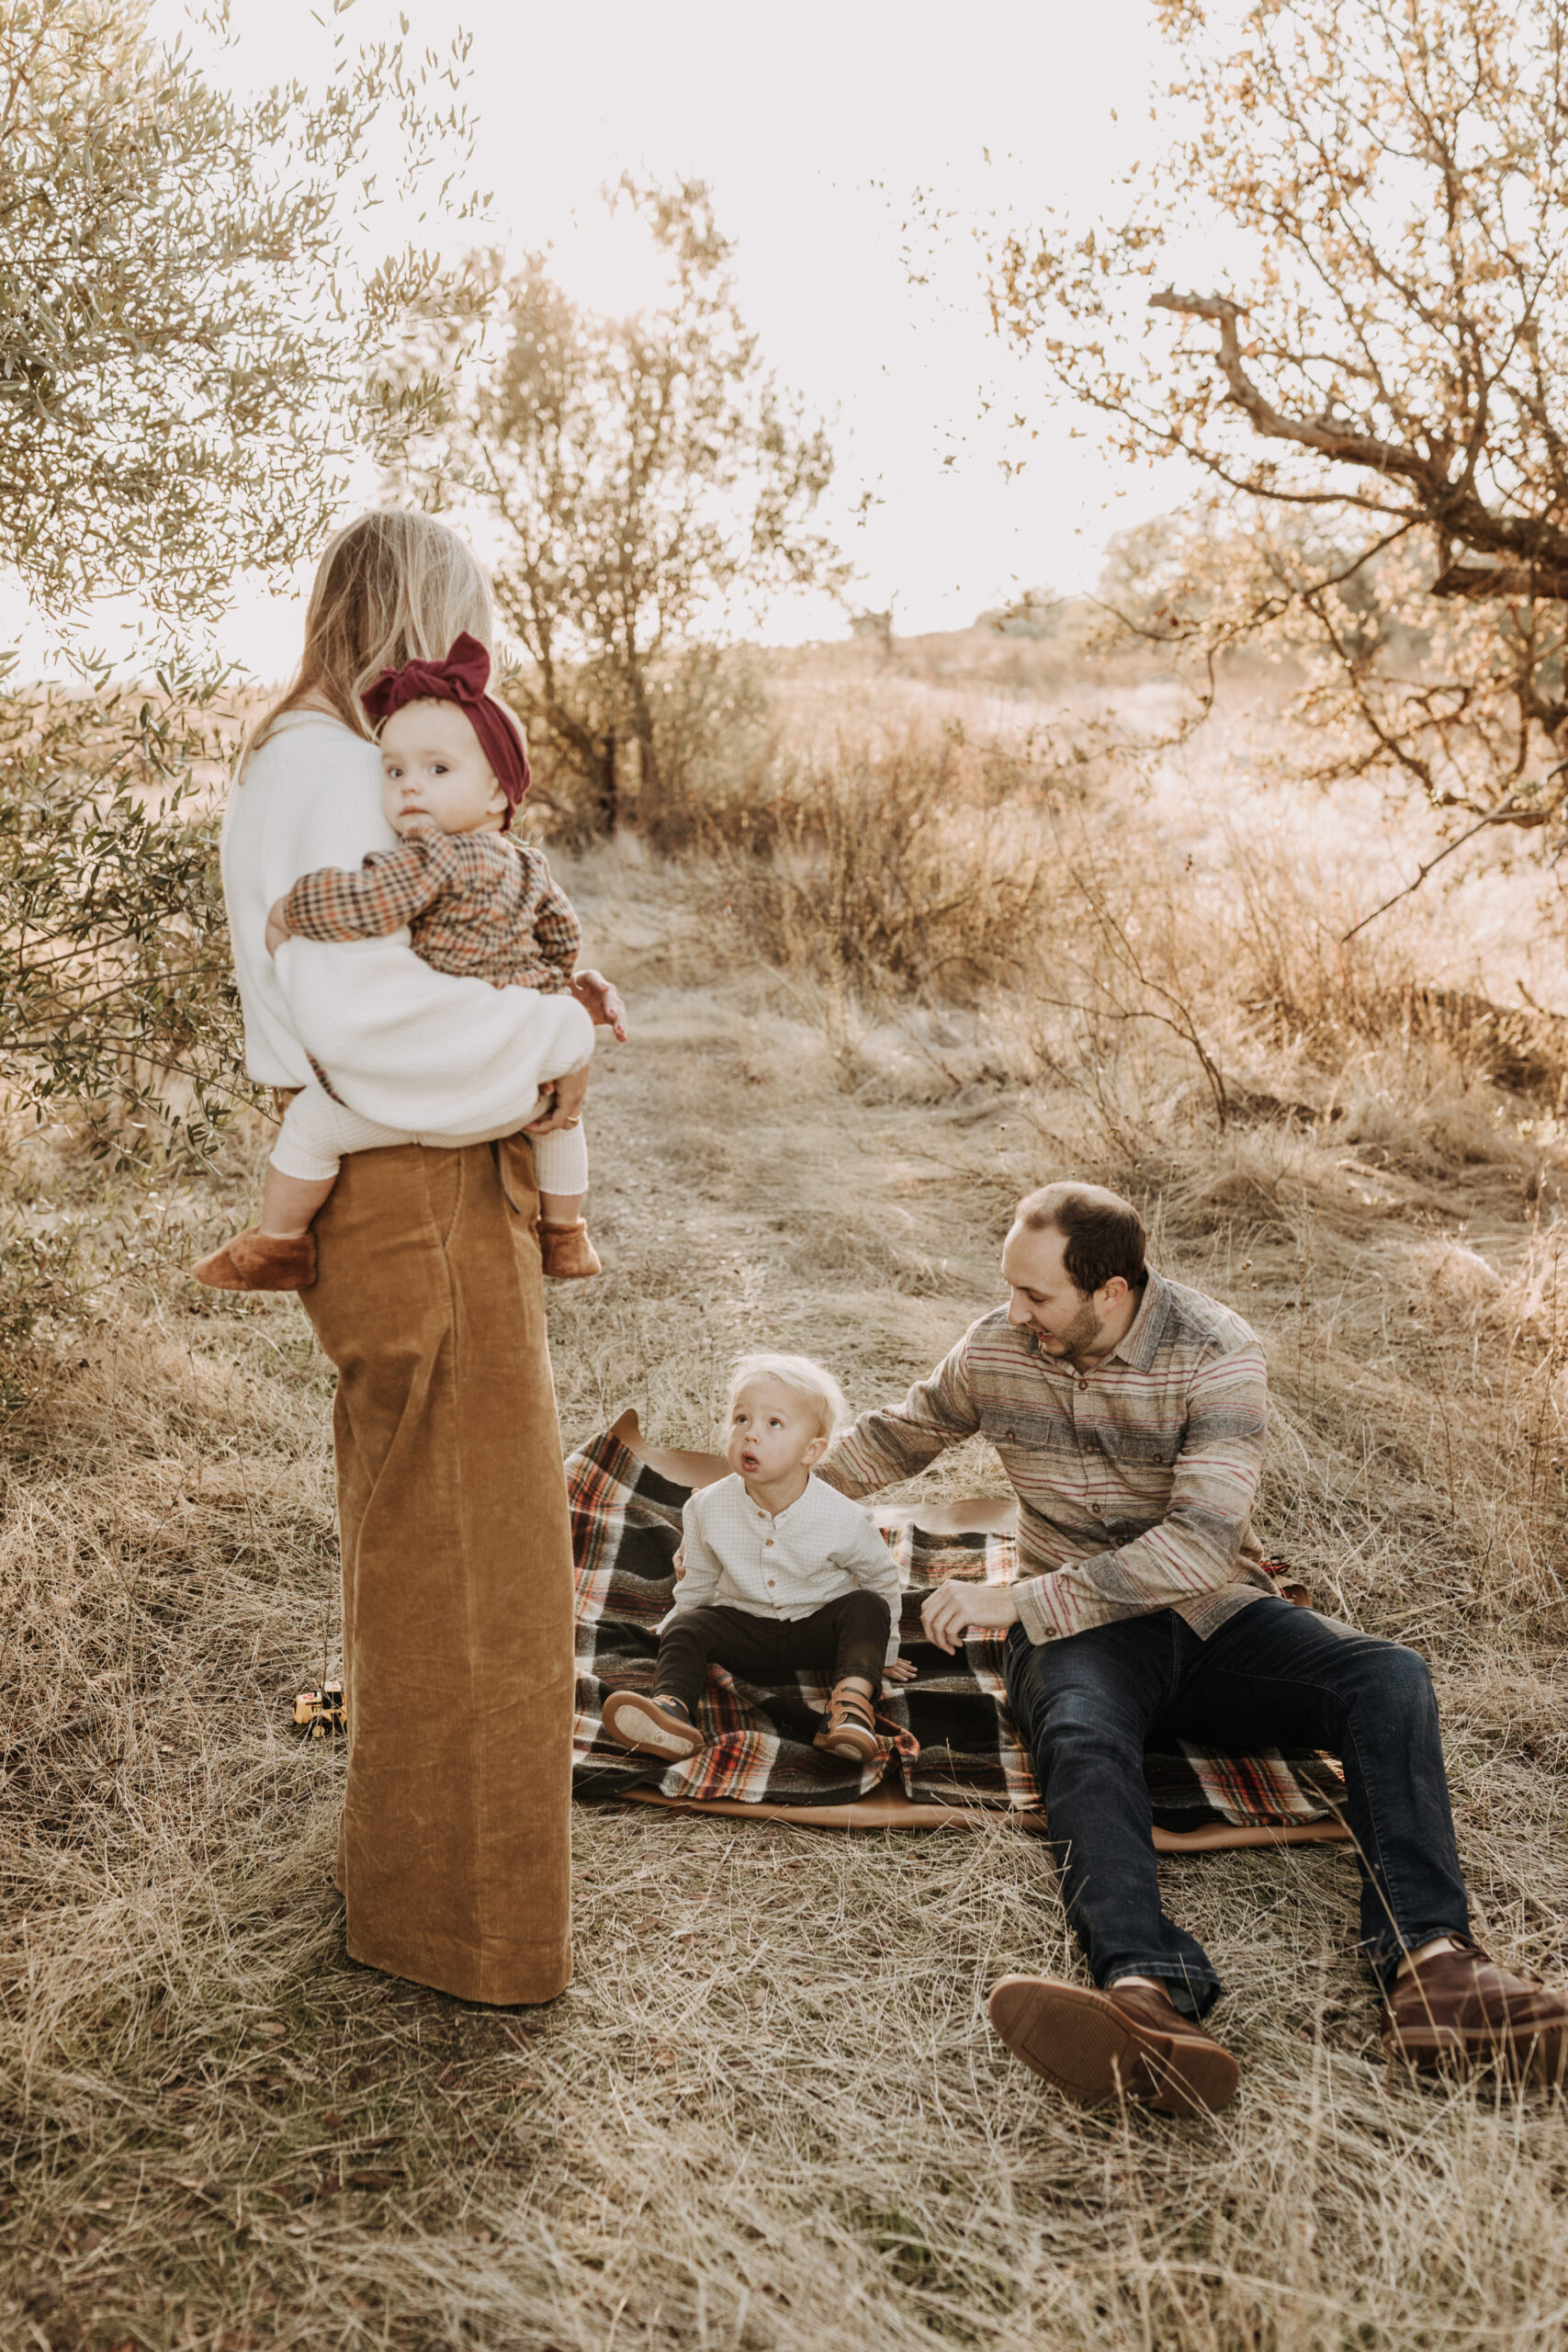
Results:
[277, 929]
[902, 1672]
[603, 1003]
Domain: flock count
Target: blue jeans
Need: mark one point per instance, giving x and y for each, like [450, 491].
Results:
[1272, 1676]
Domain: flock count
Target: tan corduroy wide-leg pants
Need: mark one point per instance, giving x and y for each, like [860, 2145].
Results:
[454, 1855]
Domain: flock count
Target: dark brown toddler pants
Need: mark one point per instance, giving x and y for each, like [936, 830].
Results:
[847, 1636]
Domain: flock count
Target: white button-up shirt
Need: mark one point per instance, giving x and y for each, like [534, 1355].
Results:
[742, 1556]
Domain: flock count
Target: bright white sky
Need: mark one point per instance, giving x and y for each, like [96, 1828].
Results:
[814, 125]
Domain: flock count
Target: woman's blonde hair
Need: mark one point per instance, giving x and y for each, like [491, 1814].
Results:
[392, 587]
[816, 1389]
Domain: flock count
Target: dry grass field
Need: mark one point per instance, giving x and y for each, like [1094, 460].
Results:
[768, 2115]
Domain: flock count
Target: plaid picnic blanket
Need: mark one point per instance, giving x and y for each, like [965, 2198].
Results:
[946, 1738]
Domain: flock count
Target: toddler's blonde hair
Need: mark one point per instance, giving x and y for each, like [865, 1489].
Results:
[809, 1381]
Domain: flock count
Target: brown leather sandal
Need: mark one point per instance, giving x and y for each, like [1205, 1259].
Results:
[851, 1728]
[255, 1260]
[566, 1253]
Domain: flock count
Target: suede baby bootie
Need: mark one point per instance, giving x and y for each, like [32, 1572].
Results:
[566, 1254]
[255, 1260]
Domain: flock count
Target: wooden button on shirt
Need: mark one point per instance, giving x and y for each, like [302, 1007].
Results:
[742, 1558]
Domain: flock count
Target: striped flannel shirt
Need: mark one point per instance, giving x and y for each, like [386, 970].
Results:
[479, 905]
[787, 1565]
[1135, 1477]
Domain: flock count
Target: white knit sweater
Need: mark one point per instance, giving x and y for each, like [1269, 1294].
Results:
[449, 1060]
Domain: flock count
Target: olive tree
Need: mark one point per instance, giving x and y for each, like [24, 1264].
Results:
[1372, 393]
[639, 476]
[187, 348]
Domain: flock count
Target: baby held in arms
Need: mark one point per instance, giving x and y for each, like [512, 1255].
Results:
[780, 1572]
[455, 768]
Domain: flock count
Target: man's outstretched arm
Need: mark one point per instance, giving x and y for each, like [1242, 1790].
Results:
[896, 1441]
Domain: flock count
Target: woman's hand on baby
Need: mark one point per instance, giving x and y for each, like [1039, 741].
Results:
[603, 1003]
[958, 1607]
[900, 1671]
[277, 929]
[568, 1094]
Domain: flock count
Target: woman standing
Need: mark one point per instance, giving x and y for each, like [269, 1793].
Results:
[454, 1852]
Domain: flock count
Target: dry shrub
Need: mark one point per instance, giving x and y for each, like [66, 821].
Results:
[912, 864]
[1305, 981]
[1045, 877]
[906, 861]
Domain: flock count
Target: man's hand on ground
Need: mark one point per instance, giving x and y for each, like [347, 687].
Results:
[957, 1608]
[603, 1003]
[566, 1106]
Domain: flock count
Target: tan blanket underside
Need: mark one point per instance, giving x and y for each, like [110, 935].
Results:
[887, 1807]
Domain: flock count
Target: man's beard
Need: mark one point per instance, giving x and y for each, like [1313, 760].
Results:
[1081, 1332]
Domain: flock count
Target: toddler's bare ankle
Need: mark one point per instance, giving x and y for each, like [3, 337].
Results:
[291, 1204]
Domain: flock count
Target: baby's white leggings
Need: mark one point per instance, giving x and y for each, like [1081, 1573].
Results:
[317, 1132]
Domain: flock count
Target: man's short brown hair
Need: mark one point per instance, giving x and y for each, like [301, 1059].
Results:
[1104, 1234]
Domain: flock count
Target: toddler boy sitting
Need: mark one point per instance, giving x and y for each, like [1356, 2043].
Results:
[780, 1572]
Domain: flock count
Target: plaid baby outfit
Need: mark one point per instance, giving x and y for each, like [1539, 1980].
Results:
[477, 905]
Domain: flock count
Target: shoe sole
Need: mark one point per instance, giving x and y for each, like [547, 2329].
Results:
[633, 1723]
[854, 1749]
[1524, 2057]
[1086, 2046]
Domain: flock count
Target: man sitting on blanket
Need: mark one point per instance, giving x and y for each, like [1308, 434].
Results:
[1129, 1413]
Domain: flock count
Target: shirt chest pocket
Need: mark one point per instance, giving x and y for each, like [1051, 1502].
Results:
[1026, 1434]
[1139, 1450]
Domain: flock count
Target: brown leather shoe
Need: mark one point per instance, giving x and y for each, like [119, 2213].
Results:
[1460, 2009]
[255, 1260]
[565, 1252]
[649, 1727]
[1131, 2042]
[849, 1727]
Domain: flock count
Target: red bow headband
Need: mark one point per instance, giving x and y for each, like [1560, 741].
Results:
[462, 679]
